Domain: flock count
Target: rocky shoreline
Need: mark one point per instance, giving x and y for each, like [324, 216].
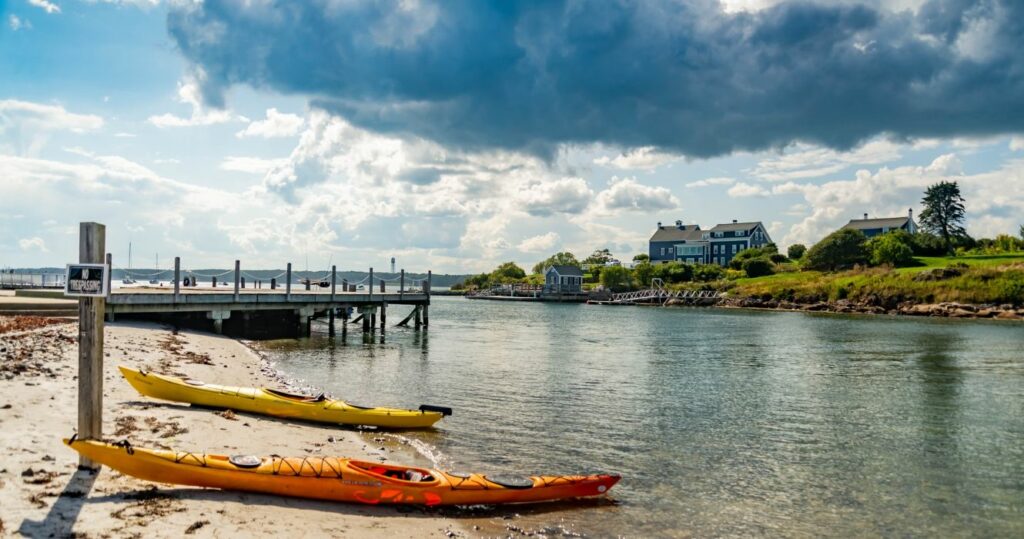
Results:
[871, 305]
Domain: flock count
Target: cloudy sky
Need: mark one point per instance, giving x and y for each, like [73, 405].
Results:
[457, 134]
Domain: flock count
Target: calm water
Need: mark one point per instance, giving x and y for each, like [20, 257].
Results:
[721, 422]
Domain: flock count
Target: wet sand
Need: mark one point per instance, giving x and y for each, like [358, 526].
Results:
[43, 494]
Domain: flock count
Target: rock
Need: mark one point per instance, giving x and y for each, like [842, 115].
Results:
[816, 307]
[960, 313]
[986, 313]
[1008, 315]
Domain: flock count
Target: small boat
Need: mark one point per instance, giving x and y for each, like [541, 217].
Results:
[337, 478]
[277, 403]
[154, 280]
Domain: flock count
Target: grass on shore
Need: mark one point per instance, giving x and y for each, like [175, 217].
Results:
[986, 279]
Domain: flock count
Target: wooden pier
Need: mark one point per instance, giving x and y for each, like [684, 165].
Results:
[277, 310]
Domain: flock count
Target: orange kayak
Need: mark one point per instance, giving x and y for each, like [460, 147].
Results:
[338, 479]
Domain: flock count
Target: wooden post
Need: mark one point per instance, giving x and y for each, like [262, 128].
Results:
[366, 324]
[273, 283]
[238, 275]
[401, 285]
[382, 289]
[373, 320]
[344, 285]
[110, 265]
[177, 277]
[288, 283]
[213, 282]
[369, 285]
[91, 248]
[419, 317]
[243, 281]
[334, 286]
[330, 321]
[426, 306]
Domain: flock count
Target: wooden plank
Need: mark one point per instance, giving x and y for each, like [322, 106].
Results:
[91, 248]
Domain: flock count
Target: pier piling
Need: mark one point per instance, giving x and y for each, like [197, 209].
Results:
[238, 275]
[288, 283]
[177, 278]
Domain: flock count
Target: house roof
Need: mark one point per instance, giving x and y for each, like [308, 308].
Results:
[731, 227]
[566, 270]
[882, 222]
[673, 233]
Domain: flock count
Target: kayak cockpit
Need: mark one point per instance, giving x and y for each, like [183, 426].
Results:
[404, 474]
[296, 397]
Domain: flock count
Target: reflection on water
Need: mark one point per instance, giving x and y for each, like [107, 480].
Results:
[721, 422]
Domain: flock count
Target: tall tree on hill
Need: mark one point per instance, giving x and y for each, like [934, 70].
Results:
[564, 258]
[943, 213]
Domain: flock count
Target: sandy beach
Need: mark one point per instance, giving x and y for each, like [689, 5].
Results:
[44, 495]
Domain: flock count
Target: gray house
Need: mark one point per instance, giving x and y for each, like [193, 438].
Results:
[560, 279]
[666, 240]
[725, 240]
[879, 226]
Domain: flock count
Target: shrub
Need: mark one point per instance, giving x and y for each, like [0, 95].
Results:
[616, 278]
[643, 272]
[778, 258]
[843, 248]
[707, 272]
[758, 267]
[674, 272]
[892, 248]
[796, 251]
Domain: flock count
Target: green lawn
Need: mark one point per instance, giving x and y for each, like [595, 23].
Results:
[988, 279]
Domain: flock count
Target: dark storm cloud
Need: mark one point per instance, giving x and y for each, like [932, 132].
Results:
[683, 76]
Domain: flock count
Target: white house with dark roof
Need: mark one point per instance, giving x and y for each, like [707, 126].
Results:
[878, 226]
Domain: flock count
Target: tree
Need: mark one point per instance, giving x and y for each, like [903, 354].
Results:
[644, 257]
[1021, 232]
[643, 271]
[599, 257]
[708, 272]
[616, 278]
[508, 272]
[892, 248]
[943, 213]
[564, 258]
[673, 272]
[796, 251]
[840, 249]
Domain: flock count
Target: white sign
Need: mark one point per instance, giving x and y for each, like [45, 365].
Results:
[86, 280]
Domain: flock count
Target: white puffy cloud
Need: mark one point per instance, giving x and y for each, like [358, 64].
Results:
[747, 190]
[46, 6]
[804, 161]
[16, 23]
[188, 93]
[26, 126]
[277, 124]
[33, 244]
[627, 194]
[995, 199]
[645, 158]
[1016, 144]
[251, 165]
[540, 243]
[546, 197]
[708, 182]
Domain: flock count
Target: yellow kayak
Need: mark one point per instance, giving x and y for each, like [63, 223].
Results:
[337, 478]
[278, 403]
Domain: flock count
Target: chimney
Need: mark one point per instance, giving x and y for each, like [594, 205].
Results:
[659, 225]
[679, 225]
[865, 217]
[910, 213]
[734, 220]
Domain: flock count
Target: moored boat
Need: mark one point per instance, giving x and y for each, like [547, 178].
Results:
[277, 403]
[336, 478]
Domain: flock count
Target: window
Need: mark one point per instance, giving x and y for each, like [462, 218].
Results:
[662, 251]
[670, 249]
[734, 248]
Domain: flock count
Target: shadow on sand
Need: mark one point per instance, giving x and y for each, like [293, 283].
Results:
[65, 510]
